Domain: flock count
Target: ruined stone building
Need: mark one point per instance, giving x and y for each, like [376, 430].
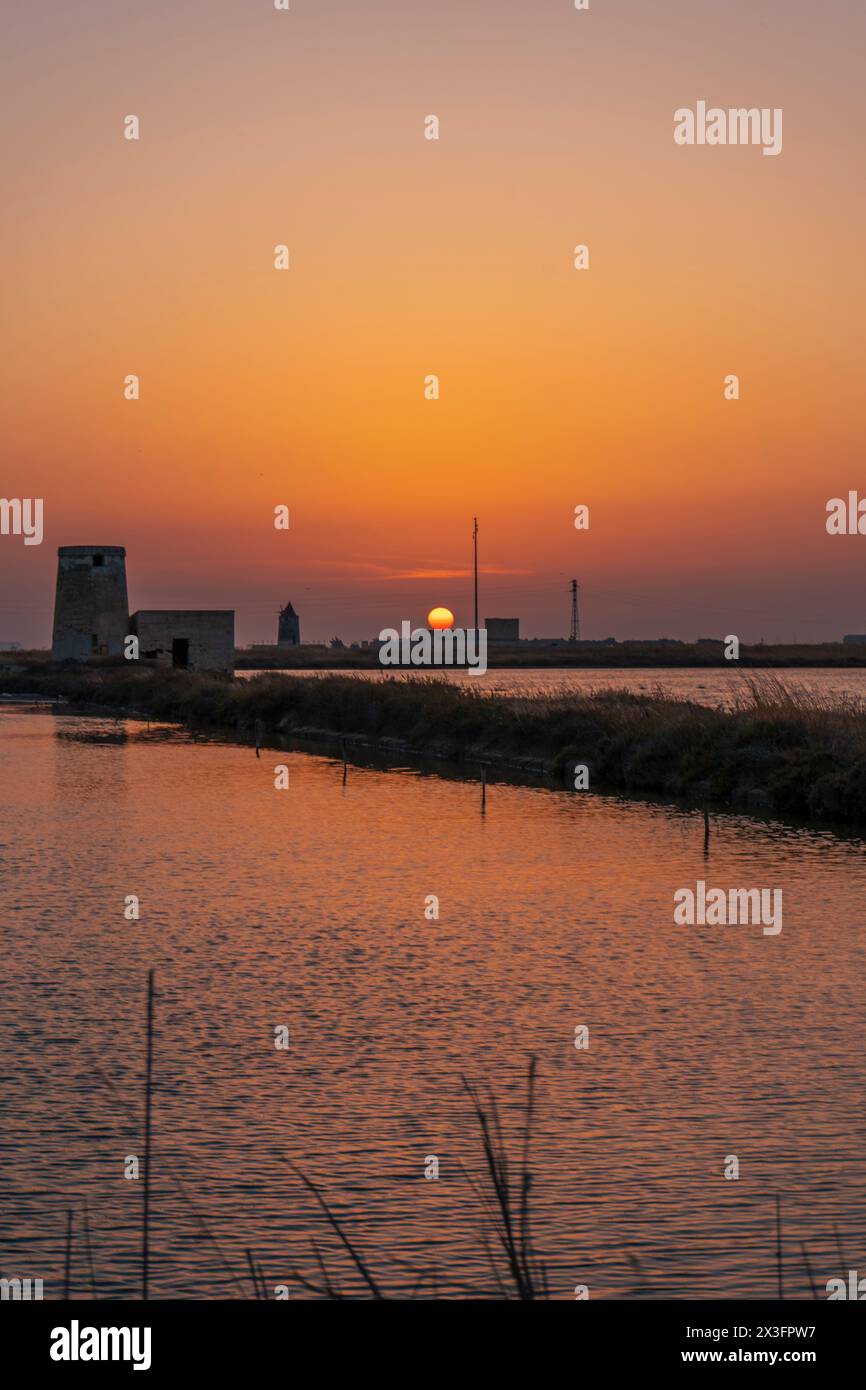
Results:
[192, 640]
[91, 609]
[91, 617]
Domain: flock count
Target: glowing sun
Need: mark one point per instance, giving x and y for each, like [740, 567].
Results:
[440, 618]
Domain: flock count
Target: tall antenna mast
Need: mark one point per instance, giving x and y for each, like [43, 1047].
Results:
[574, 635]
[475, 544]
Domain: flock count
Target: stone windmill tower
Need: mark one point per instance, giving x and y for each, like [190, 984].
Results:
[91, 609]
[289, 628]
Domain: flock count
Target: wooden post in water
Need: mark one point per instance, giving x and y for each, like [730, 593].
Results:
[89, 1252]
[484, 791]
[706, 831]
[67, 1267]
[148, 1099]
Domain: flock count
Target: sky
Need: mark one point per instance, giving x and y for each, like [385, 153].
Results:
[412, 257]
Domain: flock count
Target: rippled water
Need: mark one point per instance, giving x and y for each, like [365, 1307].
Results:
[713, 686]
[305, 907]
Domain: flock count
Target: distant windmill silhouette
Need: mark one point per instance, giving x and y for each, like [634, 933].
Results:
[288, 627]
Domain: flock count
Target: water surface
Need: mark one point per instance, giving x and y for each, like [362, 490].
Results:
[305, 907]
[718, 686]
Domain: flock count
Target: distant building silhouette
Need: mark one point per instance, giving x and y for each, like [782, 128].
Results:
[289, 628]
[91, 609]
[502, 629]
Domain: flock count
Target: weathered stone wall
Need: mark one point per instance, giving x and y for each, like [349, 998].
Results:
[91, 608]
[210, 634]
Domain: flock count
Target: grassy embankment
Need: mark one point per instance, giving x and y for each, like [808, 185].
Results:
[777, 751]
[586, 655]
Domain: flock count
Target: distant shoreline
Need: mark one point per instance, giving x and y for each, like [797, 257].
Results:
[793, 755]
[565, 656]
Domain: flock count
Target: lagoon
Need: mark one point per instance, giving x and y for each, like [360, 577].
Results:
[714, 686]
[306, 908]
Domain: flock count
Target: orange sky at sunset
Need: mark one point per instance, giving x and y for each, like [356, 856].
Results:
[411, 257]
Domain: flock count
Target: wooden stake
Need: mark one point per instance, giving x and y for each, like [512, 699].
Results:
[148, 1101]
[67, 1270]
